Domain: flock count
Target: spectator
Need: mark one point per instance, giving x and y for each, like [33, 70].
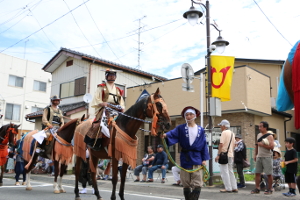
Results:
[263, 157]
[49, 167]
[277, 173]
[176, 175]
[160, 162]
[10, 161]
[85, 175]
[291, 162]
[100, 169]
[40, 164]
[146, 161]
[276, 142]
[107, 172]
[240, 155]
[227, 143]
[19, 167]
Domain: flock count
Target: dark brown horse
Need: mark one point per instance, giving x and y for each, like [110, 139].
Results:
[151, 107]
[62, 154]
[8, 133]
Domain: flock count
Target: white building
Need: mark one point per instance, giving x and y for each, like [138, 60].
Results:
[25, 88]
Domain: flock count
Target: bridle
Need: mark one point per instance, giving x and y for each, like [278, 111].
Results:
[154, 111]
[9, 131]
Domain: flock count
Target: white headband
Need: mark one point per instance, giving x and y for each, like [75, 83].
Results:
[190, 111]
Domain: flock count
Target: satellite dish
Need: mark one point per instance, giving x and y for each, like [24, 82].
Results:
[187, 73]
[87, 98]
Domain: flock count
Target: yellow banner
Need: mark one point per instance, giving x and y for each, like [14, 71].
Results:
[221, 76]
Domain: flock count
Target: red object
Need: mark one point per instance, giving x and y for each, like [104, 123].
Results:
[296, 85]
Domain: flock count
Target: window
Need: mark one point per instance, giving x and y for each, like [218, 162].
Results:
[35, 109]
[67, 89]
[39, 86]
[15, 81]
[12, 112]
[80, 86]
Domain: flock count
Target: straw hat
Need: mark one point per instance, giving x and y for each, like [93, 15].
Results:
[276, 149]
[265, 141]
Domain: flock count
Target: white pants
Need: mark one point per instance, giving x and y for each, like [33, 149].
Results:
[228, 175]
[176, 172]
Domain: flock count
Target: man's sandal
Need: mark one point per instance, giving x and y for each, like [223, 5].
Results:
[268, 192]
[255, 191]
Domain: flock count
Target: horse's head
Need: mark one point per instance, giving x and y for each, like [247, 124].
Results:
[159, 111]
[8, 134]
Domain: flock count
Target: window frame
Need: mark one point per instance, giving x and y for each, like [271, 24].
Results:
[19, 117]
[39, 86]
[15, 84]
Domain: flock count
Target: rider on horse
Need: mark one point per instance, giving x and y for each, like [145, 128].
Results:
[105, 93]
[52, 119]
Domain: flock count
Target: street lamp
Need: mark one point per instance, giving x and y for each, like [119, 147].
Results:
[193, 15]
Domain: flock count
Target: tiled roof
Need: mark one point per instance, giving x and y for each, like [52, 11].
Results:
[93, 58]
[65, 108]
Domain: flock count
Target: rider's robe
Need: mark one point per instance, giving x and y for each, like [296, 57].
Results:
[190, 154]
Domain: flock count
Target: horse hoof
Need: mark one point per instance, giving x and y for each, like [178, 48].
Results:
[1, 184]
[100, 198]
[29, 188]
[62, 191]
[56, 191]
[77, 198]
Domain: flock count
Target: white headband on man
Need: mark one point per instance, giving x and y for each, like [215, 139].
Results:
[190, 111]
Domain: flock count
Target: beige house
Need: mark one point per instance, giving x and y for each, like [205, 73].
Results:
[253, 97]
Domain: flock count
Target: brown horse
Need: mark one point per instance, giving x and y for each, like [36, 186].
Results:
[8, 133]
[62, 153]
[151, 107]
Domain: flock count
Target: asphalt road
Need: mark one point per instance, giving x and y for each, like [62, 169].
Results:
[43, 190]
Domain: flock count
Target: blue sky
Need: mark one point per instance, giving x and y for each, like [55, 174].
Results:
[167, 39]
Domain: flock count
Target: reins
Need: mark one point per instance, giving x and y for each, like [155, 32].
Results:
[206, 174]
[154, 111]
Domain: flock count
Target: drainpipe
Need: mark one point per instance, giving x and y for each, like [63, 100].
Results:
[285, 126]
[89, 88]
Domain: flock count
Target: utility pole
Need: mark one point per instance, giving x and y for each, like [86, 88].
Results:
[139, 41]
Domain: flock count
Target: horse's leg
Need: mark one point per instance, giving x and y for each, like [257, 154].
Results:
[93, 174]
[1, 175]
[114, 178]
[62, 170]
[56, 170]
[123, 178]
[77, 172]
[28, 173]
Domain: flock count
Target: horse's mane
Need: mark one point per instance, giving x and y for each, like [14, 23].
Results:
[67, 124]
[132, 110]
[4, 128]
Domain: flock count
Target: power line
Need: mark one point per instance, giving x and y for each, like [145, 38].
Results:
[81, 29]
[271, 22]
[43, 27]
[102, 34]
[79, 47]
[22, 17]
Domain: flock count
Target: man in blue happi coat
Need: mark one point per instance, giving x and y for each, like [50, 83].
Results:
[194, 153]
